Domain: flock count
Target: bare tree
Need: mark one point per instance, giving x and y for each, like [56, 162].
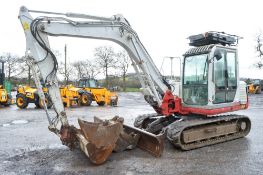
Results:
[86, 68]
[66, 73]
[25, 68]
[11, 65]
[259, 63]
[123, 64]
[79, 66]
[64, 68]
[105, 57]
[91, 69]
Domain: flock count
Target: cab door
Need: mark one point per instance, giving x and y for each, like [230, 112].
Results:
[225, 77]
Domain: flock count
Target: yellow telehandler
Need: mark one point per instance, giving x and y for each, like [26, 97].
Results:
[101, 95]
[73, 96]
[26, 94]
[255, 87]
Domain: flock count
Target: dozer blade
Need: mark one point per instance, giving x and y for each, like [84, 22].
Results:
[97, 140]
[149, 142]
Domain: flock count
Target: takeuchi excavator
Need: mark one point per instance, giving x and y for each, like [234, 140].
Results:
[195, 118]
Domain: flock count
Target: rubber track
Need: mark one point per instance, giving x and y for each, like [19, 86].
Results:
[175, 129]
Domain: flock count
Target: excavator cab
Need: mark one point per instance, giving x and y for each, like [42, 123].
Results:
[222, 78]
[210, 74]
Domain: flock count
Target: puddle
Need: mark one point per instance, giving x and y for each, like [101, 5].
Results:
[44, 147]
[15, 122]
[6, 124]
[19, 122]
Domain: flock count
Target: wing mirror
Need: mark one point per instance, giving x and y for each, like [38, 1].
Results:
[217, 55]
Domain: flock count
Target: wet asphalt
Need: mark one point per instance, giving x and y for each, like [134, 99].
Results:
[28, 147]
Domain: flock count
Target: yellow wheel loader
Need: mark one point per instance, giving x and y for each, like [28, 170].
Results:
[27, 94]
[73, 96]
[255, 87]
[5, 98]
[101, 95]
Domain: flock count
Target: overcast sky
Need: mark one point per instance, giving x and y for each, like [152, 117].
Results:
[162, 26]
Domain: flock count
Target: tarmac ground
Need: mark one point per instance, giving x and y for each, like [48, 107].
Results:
[28, 147]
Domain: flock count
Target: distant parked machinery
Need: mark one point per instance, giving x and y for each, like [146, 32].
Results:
[27, 94]
[99, 94]
[5, 98]
[255, 86]
[73, 96]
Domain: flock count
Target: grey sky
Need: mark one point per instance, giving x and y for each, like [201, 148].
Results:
[163, 26]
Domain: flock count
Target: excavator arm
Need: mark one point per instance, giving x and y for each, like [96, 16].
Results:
[100, 138]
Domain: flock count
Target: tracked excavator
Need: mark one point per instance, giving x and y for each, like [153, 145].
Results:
[210, 87]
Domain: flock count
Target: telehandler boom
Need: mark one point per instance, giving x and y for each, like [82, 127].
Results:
[210, 86]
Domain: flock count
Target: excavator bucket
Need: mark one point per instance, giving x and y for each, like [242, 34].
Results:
[98, 140]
